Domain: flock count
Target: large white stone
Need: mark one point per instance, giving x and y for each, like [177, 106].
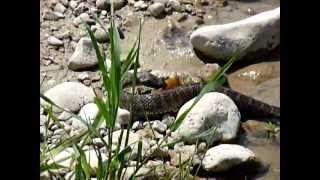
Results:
[69, 95]
[213, 110]
[260, 33]
[226, 156]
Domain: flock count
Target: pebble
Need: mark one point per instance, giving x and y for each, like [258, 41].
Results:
[54, 41]
[136, 125]
[54, 127]
[73, 4]
[83, 76]
[140, 5]
[70, 95]
[60, 8]
[64, 2]
[157, 9]
[225, 156]
[101, 35]
[159, 126]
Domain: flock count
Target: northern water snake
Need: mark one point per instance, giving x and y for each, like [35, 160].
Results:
[171, 100]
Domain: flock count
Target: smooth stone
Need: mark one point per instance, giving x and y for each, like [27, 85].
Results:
[159, 126]
[69, 95]
[60, 8]
[255, 36]
[156, 9]
[226, 156]
[84, 56]
[55, 41]
[101, 35]
[212, 110]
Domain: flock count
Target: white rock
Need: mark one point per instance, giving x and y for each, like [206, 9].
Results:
[73, 4]
[123, 116]
[156, 9]
[159, 126]
[225, 156]
[55, 41]
[140, 5]
[84, 55]
[132, 142]
[83, 76]
[89, 111]
[60, 8]
[260, 33]
[64, 158]
[83, 17]
[213, 110]
[136, 125]
[69, 95]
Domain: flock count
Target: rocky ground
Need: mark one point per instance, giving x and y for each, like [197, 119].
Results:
[69, 75]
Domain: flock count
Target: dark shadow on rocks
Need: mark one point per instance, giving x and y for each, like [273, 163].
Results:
[254, 58]
[250, 170]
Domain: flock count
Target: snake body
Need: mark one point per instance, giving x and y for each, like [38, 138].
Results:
[171, 100]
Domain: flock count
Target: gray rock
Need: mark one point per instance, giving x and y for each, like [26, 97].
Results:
[83, 76]
[225, 156]
[136, 125]
[101, 35]
[64, 116]
[175, 4]
[213, 110]
[84, 56]
[183, 152]
[106, 4]
[60, 8]
[69, 95]
[157, 9]
[168, 120]
[58, 132]
[258, 34]
[54, 127]
[83, 17]
[55, 41]
[64, 2]
[73, 4]
[159, 126]
[52, 16]
[140, 5]
[102, 4]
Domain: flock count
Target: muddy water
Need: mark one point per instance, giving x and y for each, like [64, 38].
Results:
[165, 46]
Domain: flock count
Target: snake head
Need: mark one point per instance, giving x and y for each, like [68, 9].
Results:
[148, 79]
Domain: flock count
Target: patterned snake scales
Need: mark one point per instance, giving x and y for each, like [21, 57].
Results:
[171, 100]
